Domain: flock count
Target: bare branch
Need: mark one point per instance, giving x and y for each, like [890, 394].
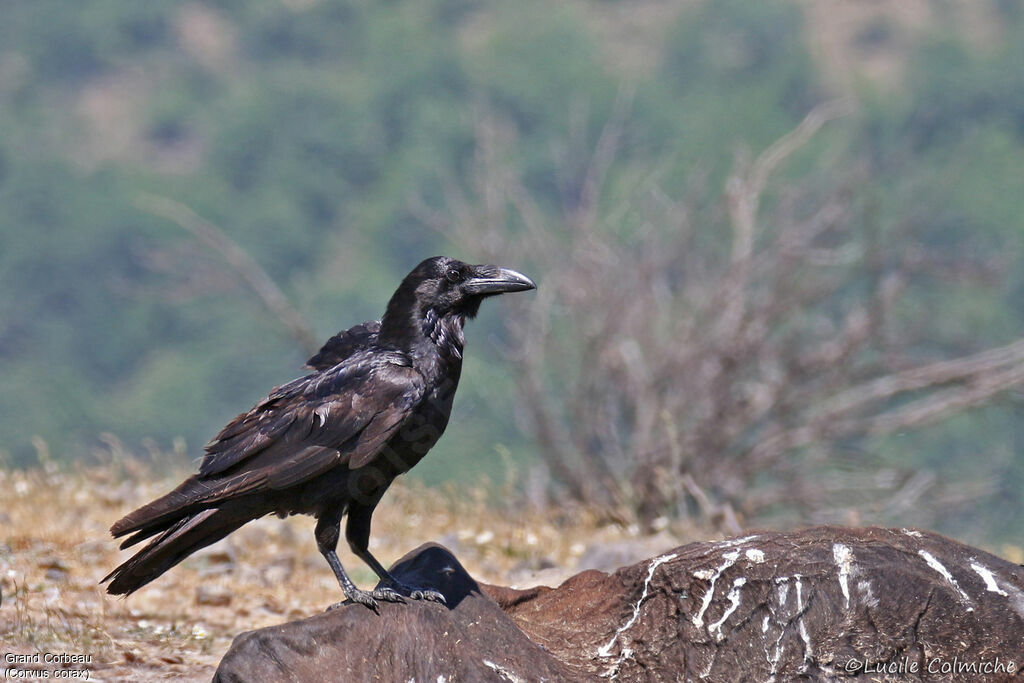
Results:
[999, 361]
[758, 354]
[239, 260]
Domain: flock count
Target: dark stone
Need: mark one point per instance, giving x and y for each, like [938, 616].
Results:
[817, 604]
[469, 639]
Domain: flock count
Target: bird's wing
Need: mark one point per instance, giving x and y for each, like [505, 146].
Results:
[344, 344]
[314, 423]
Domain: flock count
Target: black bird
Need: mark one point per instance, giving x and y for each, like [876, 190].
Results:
[330, 443]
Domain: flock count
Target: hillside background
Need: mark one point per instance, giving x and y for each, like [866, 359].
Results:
[339, 143]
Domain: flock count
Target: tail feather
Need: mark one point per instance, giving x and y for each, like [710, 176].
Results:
[179, 540]
[189, 498]
[148, 532]
[168, 508]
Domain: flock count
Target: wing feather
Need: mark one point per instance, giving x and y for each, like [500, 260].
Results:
[342, 345]
[308, 426]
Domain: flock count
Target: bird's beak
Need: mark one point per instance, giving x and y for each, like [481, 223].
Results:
[489, 280]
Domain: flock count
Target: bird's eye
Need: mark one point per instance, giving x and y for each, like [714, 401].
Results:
[453, 275]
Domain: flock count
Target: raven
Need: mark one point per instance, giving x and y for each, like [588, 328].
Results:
[329, 444]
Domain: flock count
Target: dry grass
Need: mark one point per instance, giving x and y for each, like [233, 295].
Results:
[56, 548]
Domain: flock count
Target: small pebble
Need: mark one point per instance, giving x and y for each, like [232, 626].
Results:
[217, 596]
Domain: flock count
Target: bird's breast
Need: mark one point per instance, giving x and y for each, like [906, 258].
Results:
[427, 421]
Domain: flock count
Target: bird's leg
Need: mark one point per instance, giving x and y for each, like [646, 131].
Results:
[328, 529]
[357, 533]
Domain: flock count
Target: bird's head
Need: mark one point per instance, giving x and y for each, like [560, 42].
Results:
[447, 287]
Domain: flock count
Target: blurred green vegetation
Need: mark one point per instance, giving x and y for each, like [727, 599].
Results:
[304, 129]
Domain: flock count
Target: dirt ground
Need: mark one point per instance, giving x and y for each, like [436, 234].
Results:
[55, 548]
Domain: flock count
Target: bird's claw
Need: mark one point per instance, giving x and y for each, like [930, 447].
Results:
[396, 592]
[388, 594]
[360, 597]
[413, 592]
[427, 594]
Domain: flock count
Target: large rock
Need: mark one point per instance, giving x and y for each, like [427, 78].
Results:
[470, 639]
[817, 604]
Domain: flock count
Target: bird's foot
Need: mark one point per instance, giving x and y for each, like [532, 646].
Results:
[395, 592]
[387, 594]
[369, 598]
[417, 593]
[427, 594]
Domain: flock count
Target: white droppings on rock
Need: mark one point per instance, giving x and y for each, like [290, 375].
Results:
[735, 541]
[934, 563]
[911, 532]
[1016, 599]
[773, 659]
[864, 586]
[707, 669]
[780, 647]
[755, 555]
[808, 649]
[715, 629]
[782, 594]
[782, 587]
[989, 578]
[503, 672]
[843, 557]
[606, 649]
[728, 560]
